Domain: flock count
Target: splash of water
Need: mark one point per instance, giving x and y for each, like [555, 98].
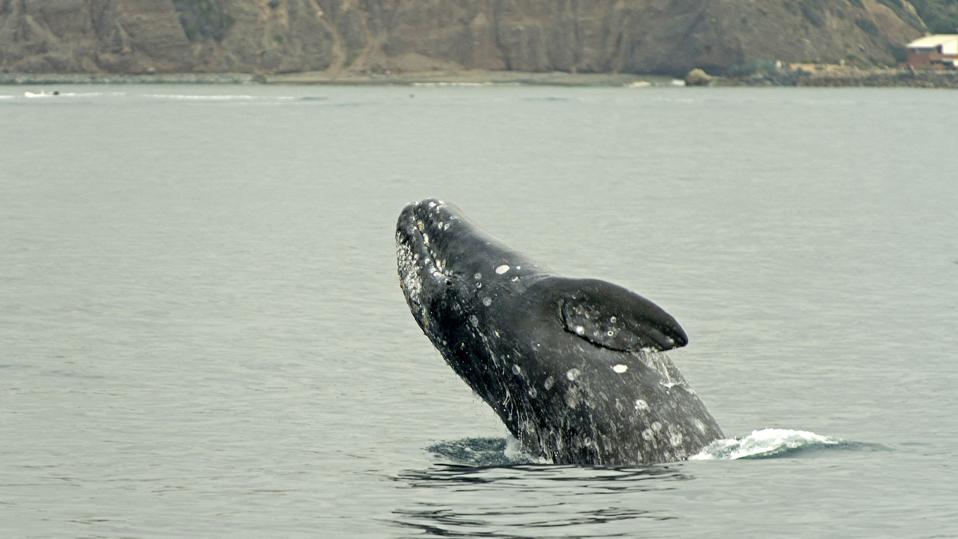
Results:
[485, 452]
[760, 444]
[765, 443]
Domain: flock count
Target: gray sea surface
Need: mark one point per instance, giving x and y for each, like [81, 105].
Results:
[202, 332]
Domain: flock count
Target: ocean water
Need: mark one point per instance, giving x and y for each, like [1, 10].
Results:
[202, 332]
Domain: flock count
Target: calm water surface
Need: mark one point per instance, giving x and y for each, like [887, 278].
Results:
[202, 333]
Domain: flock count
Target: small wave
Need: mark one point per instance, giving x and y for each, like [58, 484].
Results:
[548, 99]
[229, 97]
[770, 443]
[89, 94]
[188, 97]
[760, 444]
[6, 97]
[450, 84]
[39, 95]
[484, 452]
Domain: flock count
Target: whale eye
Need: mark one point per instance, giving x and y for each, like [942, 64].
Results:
[448, 282]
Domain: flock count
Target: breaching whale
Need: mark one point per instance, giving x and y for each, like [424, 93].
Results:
[575, 368]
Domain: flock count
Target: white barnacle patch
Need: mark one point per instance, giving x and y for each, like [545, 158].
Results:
[699, 425]
[425, 238]
[620, 368]
[477, 276]
[647, 434]
[550, 381]
[474, 320]
[579, 330]
[533, 392]
[641, 405]
[675, 438]
[516, 370]
[573, 374]
[487, 301]
[572, 398]
[514, 279]
[409, 271]
[421, 226]
[502, 269]
[656, 426]
[612, 319]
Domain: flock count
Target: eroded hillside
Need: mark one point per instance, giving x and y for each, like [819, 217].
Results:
[603, 36]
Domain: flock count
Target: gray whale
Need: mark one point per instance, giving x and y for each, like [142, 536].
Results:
[575, 368]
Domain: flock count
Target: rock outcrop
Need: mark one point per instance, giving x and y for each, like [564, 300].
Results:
[697, 77]
[584, 36]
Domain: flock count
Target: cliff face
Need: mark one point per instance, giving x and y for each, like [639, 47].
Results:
[276, 36]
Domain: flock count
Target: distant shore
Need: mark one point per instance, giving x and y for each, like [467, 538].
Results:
[809, 77]
[834, 76]
[428, 78]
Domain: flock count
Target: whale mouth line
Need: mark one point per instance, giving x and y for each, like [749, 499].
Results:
[417, 242]
[420, 263]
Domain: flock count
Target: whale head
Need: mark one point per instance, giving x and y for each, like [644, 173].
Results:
[445, 260]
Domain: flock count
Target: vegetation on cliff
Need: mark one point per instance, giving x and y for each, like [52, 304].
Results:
[268, 37]
[941, 16]
[203, 19]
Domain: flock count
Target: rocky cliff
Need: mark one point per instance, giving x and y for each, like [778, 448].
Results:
[585, 36]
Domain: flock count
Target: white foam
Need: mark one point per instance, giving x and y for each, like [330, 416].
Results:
[187, 97]
[764, 442]
[444, 84]
[44, 94]
[514, 452]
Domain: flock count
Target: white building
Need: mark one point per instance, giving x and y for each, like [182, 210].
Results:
[934, 51]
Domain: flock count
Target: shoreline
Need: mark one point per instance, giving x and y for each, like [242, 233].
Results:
[427, 78]
[832, 78]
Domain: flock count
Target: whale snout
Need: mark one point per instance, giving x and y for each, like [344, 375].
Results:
[420, 248]
[430, 217]
[437, 230]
